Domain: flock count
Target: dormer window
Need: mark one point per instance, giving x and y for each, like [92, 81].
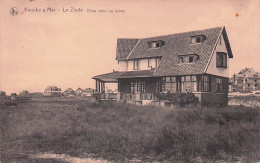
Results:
[181, 59]
[197, 39]
[188, 58]
[155, 44]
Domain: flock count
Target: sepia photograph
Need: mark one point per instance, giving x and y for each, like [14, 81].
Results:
[129, 81]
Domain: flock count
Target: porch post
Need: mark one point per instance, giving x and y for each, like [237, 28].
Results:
[99, 88]
[97, 83]
[102, 87]
[118, 95]
[118, 87]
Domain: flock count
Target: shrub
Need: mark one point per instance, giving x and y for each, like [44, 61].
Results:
[179, 98]
[2, 94]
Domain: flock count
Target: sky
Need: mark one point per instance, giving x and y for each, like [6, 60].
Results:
[67, 49]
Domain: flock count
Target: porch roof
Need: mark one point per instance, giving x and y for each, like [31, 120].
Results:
[109, 77]
[132, 74]
[113, 76]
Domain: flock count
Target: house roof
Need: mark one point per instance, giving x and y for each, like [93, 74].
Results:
[173, 45]
[69, 90]
[88, 90]
[180, 44]
[124, 47]
[248, 73]
[53, 88]
[79, 89]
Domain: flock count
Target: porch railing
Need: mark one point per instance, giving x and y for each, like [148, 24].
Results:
[147, 96]
[106, 96]
[128, 96]
[137, 96]
[125, 96]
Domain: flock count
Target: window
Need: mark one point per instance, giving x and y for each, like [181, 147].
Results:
[157, 62]
[221, 60]
[181, 59]
[220, 40]
[194, 83]
[133, 87]
[169, 84]
[159, 84]
[205, 83]
[188, 58]
[162, 85]
[193, 40]
[142, 87]
[219, 85]
[189, 84]
[155, 44]
[136, 64]
[149, 62]
[185, 84]
[137, 86]
[197, 39]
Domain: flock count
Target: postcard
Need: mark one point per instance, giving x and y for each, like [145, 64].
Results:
[80, 54]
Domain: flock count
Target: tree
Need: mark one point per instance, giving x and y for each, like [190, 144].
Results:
[2, 94]
[24, 93]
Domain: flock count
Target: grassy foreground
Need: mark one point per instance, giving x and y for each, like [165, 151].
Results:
[121, 132]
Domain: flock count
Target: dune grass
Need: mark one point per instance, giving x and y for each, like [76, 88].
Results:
[250, 101]
[121, 132]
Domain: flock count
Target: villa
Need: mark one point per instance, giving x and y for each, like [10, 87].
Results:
[196, 62]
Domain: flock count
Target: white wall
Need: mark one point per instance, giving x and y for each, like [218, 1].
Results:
[212, 68]
[123, 66]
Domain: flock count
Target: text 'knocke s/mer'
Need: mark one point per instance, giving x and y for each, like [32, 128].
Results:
[36, 9]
